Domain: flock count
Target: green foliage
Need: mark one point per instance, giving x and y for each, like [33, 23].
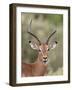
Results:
[42, 26]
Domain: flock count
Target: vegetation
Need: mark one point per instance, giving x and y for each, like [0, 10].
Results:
[42, 26]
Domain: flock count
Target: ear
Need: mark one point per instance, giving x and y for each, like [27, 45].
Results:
[53, 45]
[33, 45]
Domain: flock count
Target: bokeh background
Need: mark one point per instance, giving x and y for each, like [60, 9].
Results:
[42, 26]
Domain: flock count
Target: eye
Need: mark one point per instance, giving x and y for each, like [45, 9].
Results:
[39, 50]
[48, 49]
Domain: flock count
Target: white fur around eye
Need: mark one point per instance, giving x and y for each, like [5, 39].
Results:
[40, 49]
[47, 48]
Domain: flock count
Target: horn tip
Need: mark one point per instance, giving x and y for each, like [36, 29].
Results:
[55, 31]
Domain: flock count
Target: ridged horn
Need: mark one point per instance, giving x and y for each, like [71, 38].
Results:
[29, 32]
[50, 37]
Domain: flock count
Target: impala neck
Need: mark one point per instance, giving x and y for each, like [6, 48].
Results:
[39, 67]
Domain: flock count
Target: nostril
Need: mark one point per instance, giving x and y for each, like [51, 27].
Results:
[44, 57]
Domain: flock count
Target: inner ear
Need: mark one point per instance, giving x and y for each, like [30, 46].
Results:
[33, 45]
[53, 45]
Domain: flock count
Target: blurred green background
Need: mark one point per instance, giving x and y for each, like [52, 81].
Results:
[42, 26]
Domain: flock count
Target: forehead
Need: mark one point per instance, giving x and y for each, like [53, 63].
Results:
[43, 46]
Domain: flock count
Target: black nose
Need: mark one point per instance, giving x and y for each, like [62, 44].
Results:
[44, 57]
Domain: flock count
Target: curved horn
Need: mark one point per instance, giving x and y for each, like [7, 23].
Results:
[50, 37]
[29, 31]
[35, 37]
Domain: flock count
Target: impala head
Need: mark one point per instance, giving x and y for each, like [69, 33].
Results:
[42, 48]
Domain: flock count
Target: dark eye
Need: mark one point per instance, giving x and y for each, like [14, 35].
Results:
[48, 49]
[39, 50]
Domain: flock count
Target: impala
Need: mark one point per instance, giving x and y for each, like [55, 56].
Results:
[39, 67]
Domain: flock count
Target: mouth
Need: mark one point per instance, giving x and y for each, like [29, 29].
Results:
[45, 61]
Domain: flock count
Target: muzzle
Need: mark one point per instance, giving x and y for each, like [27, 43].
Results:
[45, 60]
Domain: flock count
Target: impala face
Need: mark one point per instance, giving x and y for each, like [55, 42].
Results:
[41, 47]
[43, 52]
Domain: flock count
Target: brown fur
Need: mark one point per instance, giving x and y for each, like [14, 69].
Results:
[38, 68]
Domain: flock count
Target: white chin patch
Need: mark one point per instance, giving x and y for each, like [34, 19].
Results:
[45, 61]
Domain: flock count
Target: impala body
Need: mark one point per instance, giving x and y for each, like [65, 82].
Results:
[39, 67]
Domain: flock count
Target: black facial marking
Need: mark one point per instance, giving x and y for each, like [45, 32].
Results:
[56, 42]
[29, 41]
[39, 50]
[45, 61]
[44, 57]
